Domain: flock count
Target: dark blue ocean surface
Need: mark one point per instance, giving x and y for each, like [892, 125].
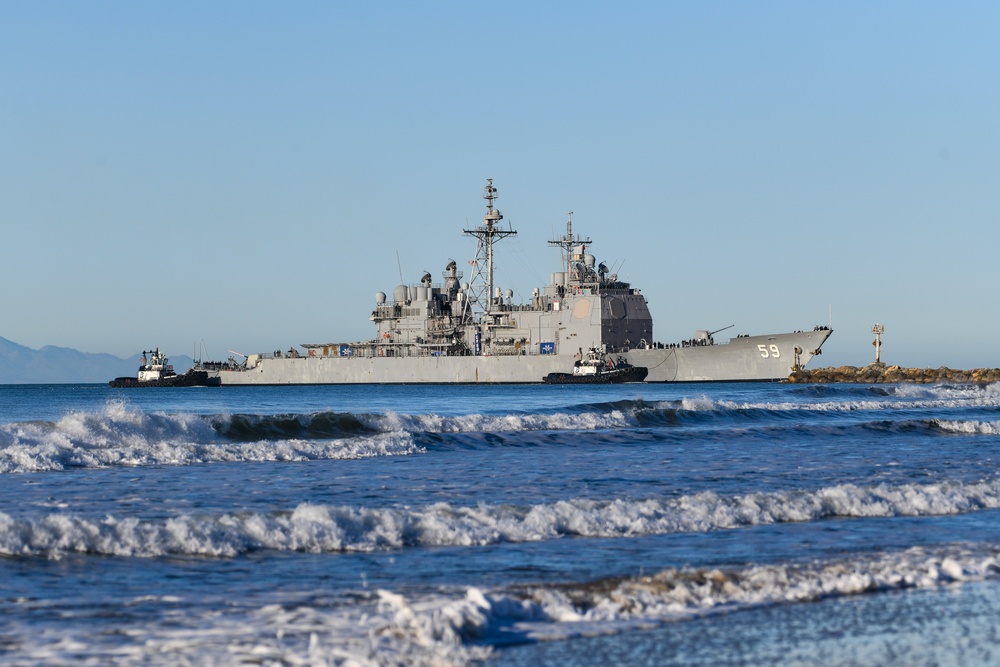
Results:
[500, 525]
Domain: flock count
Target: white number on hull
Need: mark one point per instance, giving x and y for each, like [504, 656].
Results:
[769, 351]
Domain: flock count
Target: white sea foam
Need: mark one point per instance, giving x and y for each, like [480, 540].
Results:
[961, 391]
[458, 627]
[374, 630]
[903, 396]
[697, 404]
[486, 423]
[557, 612]
[986, 428]
[118, 436]
[674, 594]
[325, 528]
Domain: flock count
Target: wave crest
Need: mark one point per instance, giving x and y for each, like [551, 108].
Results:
[973, 427]
[325, 528]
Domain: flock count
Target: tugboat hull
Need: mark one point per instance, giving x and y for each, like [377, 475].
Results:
[192, 378]
[633, 374]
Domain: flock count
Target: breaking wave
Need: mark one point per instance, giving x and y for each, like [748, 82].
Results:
[487, 423]
[883, 397]
[117, 435]
[251, 428]
[976, 427]
[323, 528]
[610, 606]
[463, 626]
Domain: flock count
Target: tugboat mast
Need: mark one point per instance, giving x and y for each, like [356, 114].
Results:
[481, 282]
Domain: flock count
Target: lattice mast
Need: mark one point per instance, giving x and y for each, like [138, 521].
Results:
[480, 292]
[569, 243]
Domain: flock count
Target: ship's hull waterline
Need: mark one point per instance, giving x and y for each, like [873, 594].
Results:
[473, 332]
[739, 360]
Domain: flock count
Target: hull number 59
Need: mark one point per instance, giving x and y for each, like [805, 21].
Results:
[769, 351]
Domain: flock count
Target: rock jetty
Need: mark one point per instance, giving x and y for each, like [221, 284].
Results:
[880, 373]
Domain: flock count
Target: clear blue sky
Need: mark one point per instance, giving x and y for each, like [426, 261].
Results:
[246, 173]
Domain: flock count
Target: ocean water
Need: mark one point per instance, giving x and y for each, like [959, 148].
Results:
[715, 524]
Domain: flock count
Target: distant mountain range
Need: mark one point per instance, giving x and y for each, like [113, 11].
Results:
[63, 365]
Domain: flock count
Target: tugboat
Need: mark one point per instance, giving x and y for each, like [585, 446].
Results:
[156, 371]
[596, 368]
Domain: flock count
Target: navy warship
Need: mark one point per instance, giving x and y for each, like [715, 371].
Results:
[471, 331]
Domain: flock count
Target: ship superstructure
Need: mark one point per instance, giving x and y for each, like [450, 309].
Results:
[472, 331]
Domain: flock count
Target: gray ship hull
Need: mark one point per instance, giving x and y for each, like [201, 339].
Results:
[739, 360]
[748, 358]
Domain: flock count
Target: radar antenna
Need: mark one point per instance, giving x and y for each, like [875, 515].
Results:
[569, 243]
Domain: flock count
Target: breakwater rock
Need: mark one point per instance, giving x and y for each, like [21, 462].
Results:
[880, 373]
